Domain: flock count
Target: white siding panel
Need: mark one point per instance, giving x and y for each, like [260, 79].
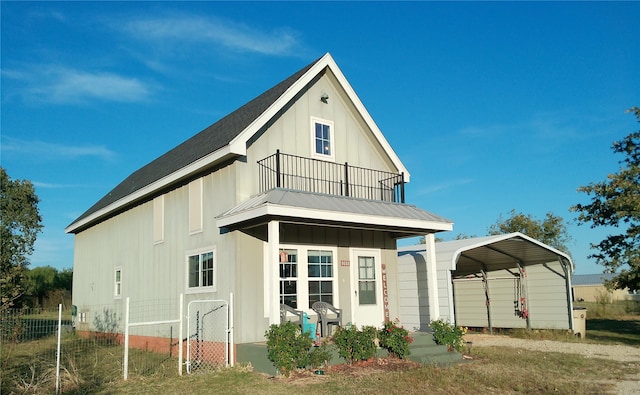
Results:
[470, 308]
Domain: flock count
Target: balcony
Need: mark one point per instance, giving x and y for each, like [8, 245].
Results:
[318, 176]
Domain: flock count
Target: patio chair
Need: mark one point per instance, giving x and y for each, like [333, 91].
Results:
[285, 310]
[325, 313]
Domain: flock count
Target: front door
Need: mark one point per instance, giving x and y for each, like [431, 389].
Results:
[366, 296]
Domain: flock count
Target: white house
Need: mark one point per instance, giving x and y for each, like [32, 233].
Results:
[293, 198]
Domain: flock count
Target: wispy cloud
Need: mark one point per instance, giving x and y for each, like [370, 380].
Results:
[46, 149]
[186, 29]
[59, 84]
[443, 186]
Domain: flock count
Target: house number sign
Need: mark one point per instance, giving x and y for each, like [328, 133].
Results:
[345, 262]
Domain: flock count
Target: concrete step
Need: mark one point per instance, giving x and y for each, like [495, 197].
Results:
[425, 350]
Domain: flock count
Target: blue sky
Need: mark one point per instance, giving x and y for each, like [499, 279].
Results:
[491, 106]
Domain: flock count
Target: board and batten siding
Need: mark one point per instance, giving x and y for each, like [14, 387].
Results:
[548, 299]
[413, 290]
[291, 134]
[154, 269]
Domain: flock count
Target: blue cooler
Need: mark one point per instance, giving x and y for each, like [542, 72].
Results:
[308, 326]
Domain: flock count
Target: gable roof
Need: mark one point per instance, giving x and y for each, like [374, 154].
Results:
[221, 141]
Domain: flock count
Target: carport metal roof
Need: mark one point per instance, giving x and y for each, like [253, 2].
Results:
[491, 253]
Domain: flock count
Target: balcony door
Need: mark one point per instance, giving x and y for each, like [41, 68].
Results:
[366, 297]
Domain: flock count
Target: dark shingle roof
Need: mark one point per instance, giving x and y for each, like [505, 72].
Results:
[202, 144]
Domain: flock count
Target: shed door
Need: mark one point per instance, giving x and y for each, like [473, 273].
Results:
[367, 302]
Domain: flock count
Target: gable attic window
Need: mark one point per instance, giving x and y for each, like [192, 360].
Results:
[322, 139]
[201, 273]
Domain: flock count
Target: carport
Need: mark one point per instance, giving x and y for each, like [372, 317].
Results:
[501, 281]
[509, 281]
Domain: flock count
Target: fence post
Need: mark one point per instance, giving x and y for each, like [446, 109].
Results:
[278, 168]
[125, 363]
[180, 335]
[58, 351]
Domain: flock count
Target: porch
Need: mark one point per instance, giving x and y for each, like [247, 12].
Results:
[423, 350]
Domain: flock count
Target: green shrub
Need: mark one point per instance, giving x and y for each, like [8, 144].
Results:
[318, 356]
[395, 339]
[288, 347]
[355, 345]
[448, 334]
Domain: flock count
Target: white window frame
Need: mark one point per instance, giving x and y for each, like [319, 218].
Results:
[303, 273]
[200, 288]
[117, 283]
[288, 278]
[332, 149]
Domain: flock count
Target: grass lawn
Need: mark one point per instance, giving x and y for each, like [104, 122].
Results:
[495, 370]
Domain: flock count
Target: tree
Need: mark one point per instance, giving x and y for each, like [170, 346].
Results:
[40, 281]
[615, 203]
[20, 223]
[552, 230]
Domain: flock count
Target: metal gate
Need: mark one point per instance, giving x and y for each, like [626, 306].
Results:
[208, 341]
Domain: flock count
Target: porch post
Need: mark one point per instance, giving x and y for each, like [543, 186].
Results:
[432, 277]
[273, 269]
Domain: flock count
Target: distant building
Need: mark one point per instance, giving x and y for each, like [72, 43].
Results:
[590, 288]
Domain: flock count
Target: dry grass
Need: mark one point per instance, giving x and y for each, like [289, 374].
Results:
[495, 370]
[90, 367]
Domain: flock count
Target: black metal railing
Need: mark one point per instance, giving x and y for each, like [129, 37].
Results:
[313, 175]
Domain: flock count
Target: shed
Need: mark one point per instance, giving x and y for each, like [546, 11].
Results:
[590, 288]
[501, 281]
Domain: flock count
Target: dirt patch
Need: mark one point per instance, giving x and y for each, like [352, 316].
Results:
[357, 369]
[614, 352]
[620, 353]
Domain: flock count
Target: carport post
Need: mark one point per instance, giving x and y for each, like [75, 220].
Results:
[567, 281]
[485, 281]
[523, 283]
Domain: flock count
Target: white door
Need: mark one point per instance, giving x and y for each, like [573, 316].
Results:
[366, 298]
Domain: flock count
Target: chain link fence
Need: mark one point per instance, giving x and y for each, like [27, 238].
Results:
[77, 349]
[208, 335]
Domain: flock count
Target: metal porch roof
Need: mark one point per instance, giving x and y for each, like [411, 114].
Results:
[295, 206]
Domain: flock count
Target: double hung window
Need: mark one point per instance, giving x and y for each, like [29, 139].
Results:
[201, 271]
[322, 139]
[301, 286]
[117, 283]
[289, 277]
[320, 268]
